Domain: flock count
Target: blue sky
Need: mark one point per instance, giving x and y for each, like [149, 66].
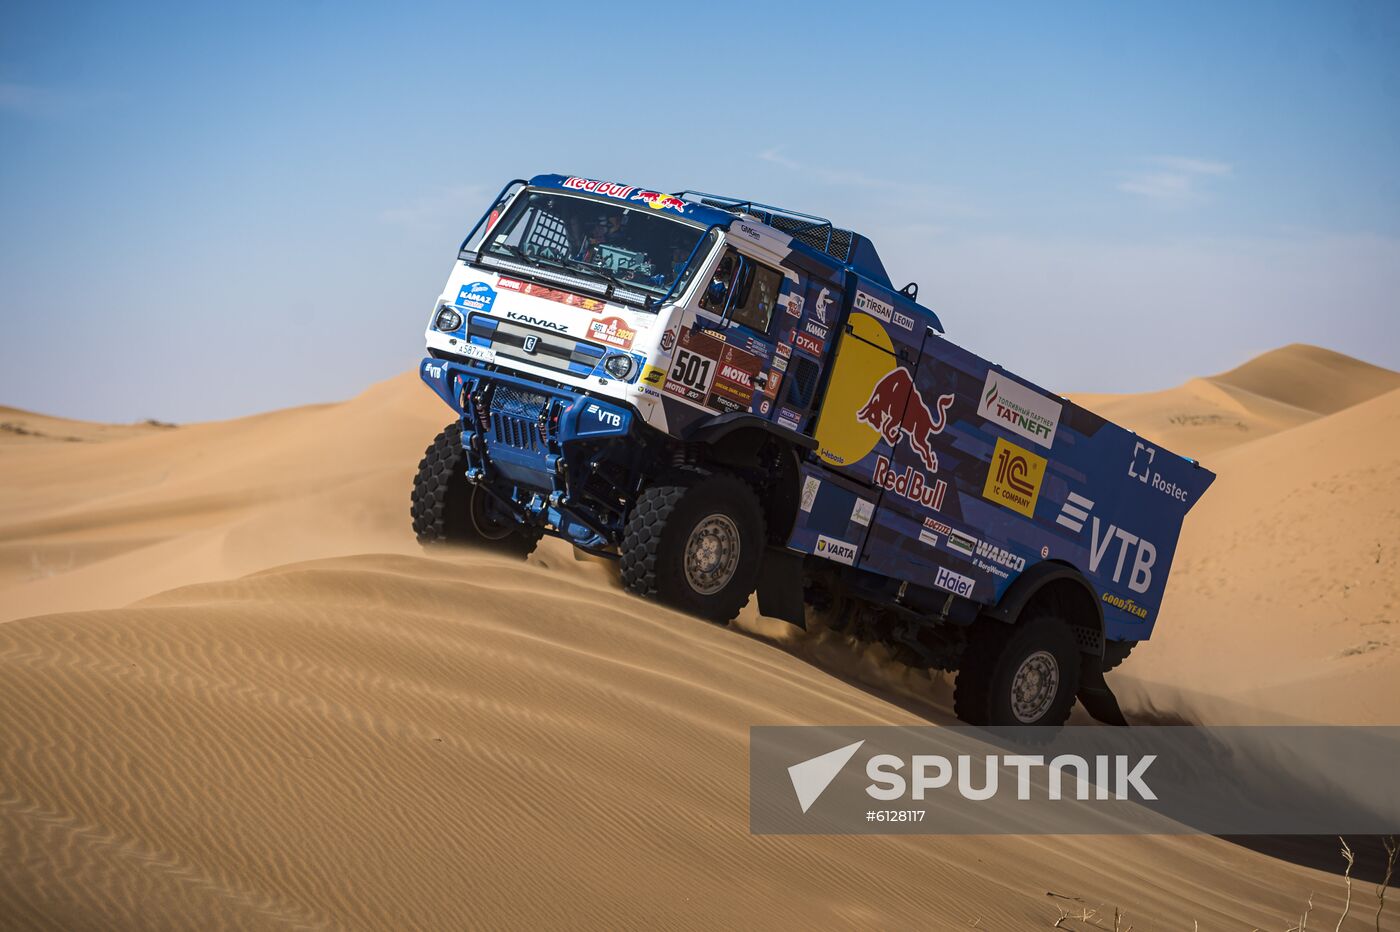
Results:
[210, 211]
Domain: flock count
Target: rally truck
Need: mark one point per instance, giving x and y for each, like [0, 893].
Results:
[732, 398]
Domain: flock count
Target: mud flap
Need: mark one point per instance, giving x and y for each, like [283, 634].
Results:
[780, 586]
[1098, 700]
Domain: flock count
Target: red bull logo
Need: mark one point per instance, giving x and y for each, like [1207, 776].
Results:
[658, 201]
[896, 408]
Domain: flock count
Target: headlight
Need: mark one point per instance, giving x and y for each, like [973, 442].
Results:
[447, 319]
[620, 366]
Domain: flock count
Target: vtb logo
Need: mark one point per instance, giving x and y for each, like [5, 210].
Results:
[896, 407]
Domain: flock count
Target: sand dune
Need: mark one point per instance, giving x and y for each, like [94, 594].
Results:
[396, 742]
[379, 739]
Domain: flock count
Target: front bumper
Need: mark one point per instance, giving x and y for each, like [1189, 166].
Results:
[557, 458]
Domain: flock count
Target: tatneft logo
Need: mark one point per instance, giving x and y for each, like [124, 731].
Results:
[893, 778]
[1140, 468]
[1019, 409]
[1075, 511]
[837, 550]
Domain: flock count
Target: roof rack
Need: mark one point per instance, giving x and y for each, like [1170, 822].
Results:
[816, 232]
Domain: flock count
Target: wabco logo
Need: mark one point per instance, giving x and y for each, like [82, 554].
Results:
[1140, 468]
[1019, 409]
[537, 322]
[1013, 478]
[1075, 511]
[896, 408]
[837, 550]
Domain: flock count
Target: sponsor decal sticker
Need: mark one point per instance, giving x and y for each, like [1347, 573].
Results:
[654, 375]
[1013, 478]
[837, 550]
[821, 310]
[784, 351]
[609, 188]
[1140, 468]
[1000, 556]
[1127, 605]
[711, 373]
[1075, 513]
[903, 320]
[538, 322]
[913, 484]
[551, 294]
[955, 583]
[794, 304]
[1019, 409]
[815, 330]
[896, 408]
[961, 543]
[658, 201]
[874, 306]
[668, 340]
[928, 537]
[862, 511]
[478, 296]
[806, 343]
[613, 331]
[789, 418]
[810, 485]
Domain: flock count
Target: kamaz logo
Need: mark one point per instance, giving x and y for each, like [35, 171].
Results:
[537, 322]
[530, 343]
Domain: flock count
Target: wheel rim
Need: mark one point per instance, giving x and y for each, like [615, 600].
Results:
[712, 554]
[1034, 686]
[489, 528]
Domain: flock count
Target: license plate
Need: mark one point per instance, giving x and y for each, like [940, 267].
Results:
[479, 353]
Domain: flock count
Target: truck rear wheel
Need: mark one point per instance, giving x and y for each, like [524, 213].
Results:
[446, 508]
[1027, 674]
[695, 542]
[1115, 652]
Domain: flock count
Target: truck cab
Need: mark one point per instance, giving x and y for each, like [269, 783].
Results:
[730, 397]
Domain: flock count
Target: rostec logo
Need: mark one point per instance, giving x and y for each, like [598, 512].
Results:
[1013, 478]
[896, 408]
[955, 583]
[1075, 511]
[837, 550]
[1140, 468]
[1019, 409]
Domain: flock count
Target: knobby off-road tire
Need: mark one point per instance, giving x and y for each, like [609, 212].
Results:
[447, 509]
[1115, 652]
[695, 542]
[1023, 674]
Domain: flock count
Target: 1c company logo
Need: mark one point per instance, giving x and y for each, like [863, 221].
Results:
[1013, 478]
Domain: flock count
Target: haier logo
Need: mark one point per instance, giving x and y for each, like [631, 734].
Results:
[955, 583]
[1140, 468]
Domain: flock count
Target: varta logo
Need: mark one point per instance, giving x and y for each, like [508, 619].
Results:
[536, 321]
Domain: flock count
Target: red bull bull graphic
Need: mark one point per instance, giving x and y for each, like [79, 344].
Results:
[658, 201]
[896, 408]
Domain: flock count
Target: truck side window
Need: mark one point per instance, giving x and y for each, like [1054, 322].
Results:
[758, 293]
[716, 294]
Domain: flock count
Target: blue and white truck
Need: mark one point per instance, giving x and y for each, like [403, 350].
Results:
[731, 398]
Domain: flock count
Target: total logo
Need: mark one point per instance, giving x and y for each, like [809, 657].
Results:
[1076, 510]
[1140, 468]
[837, 550]
[897, 409]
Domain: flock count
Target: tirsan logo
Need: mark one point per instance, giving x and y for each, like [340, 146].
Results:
[874, 306]
[896, 408]
[1075, 511]
[537, 322]
[1140, 468]
[837, 550]
[1019, 409]
[1013, 478]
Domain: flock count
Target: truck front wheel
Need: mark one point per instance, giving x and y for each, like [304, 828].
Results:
[1027, 674]
[695, 542]
[446, 508]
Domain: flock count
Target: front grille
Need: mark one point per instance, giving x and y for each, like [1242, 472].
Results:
[515, 418]
[555, 351]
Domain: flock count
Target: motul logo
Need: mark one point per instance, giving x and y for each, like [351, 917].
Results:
[735, 374]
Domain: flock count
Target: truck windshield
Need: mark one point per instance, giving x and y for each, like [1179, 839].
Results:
[636, 248]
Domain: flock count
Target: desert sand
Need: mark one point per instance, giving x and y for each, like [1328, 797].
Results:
[235, 693]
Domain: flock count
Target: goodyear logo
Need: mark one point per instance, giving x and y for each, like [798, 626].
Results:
[1013, 478]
